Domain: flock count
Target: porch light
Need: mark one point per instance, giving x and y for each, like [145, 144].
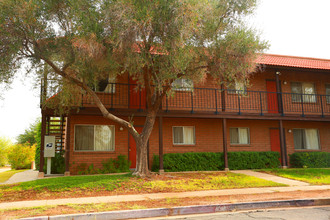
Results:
[285, 82]
[289, 130]
[121, 128]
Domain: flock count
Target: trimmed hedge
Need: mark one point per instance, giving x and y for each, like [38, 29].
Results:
[310, 159]
[208, 161]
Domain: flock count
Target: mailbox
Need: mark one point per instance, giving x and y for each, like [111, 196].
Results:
[49, 148]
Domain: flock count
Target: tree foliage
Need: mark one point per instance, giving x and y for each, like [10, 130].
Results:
[77, 43]
[29, 136]
[5, 145]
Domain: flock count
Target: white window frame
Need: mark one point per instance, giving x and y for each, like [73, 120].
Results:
[181, 84]
[304, 129]
[237, 88]
[113, 138]
[305, 97]
[238, 132]
[183, 127]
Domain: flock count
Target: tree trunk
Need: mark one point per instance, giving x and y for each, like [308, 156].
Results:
[142, 169]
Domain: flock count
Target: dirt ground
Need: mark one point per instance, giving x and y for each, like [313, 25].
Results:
[162, 203]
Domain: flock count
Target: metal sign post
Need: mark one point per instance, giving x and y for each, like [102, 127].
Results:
[49, 151]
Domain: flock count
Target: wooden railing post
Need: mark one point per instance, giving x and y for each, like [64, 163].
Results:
[322, 110]
[260, 100]
[192, 102]
[279, 92]
[216, 101]
[282, 145]
[223, 99]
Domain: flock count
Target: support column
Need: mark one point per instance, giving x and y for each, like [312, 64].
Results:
[279, 92]
[282, 144]
[160, 128]
[42, 144]
[67, 145]
[225, 152]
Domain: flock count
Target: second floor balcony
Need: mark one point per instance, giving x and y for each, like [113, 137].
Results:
[215, 101]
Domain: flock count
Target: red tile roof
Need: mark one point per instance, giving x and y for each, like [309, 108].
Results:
[292, 61]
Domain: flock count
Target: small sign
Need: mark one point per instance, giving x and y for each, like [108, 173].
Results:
[49, 148]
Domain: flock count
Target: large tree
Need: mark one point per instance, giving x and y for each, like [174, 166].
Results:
[80, 42]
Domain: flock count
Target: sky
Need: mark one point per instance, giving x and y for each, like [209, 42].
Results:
[291, 27]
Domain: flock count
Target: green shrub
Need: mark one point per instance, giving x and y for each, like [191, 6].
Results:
[20, 156]
[203, 161]
[310, 159]
[253, 160]
[190, 162]
[38, 140]
[4, 147]
[119, 165]
[58, 163]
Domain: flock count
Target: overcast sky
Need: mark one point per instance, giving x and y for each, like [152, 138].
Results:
[292, 27]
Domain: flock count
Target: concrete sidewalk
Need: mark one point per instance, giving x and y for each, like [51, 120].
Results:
[270, 177]
[24, 176]
[154, 196]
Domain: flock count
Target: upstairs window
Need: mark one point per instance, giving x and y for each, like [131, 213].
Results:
[303, 92]
[306, 139]
[183, 85]
[239, 136]
[327, 93]
[237, 88]
[94, 138]
[184, 135]
[107, 85]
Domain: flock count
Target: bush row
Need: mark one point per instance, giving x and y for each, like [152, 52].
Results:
[119, 165]
[310, 159]
[203, 161]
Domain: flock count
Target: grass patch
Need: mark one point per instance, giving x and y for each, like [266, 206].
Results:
[210, 182]
[61, 184]
[4, 176]
[314, 176]
[107, 185]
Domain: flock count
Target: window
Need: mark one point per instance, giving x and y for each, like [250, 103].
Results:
[237, 88]
[94, 138]
[184, 135]
[107, 85]
[303, 92]
[239, 136]
[327, 92]
[183, 85]
[306, 139]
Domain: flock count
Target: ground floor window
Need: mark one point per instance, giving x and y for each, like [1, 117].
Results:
[184, 135]
[239, 136]
[94, 138]
[306, 139]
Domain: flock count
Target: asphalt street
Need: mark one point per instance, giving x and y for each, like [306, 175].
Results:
[317, 213]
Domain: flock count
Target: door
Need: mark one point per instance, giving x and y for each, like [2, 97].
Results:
[272, 96]
[275, 144]
[137, 96]
[132, 148]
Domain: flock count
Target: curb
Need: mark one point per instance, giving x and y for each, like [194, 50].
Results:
[187, 210]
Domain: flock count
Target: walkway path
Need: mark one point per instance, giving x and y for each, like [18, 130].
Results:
[270, 177]
[24, 176]
[152, 196]
[4, 169]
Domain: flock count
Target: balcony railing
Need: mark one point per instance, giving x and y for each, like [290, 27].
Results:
[215, 101]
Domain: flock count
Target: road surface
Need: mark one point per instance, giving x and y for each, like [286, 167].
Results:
[314, 213]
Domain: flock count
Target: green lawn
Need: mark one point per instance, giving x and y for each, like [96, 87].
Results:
[314, 176]
[4, 176]
[96, 185]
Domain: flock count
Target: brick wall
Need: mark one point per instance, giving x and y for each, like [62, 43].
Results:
[208, 133]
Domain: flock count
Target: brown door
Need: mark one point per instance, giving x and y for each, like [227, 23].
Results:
[132, 149]
[271, 96]
[137, 96]
[275, 144]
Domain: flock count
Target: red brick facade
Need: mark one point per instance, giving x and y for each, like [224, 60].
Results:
[208, 130]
